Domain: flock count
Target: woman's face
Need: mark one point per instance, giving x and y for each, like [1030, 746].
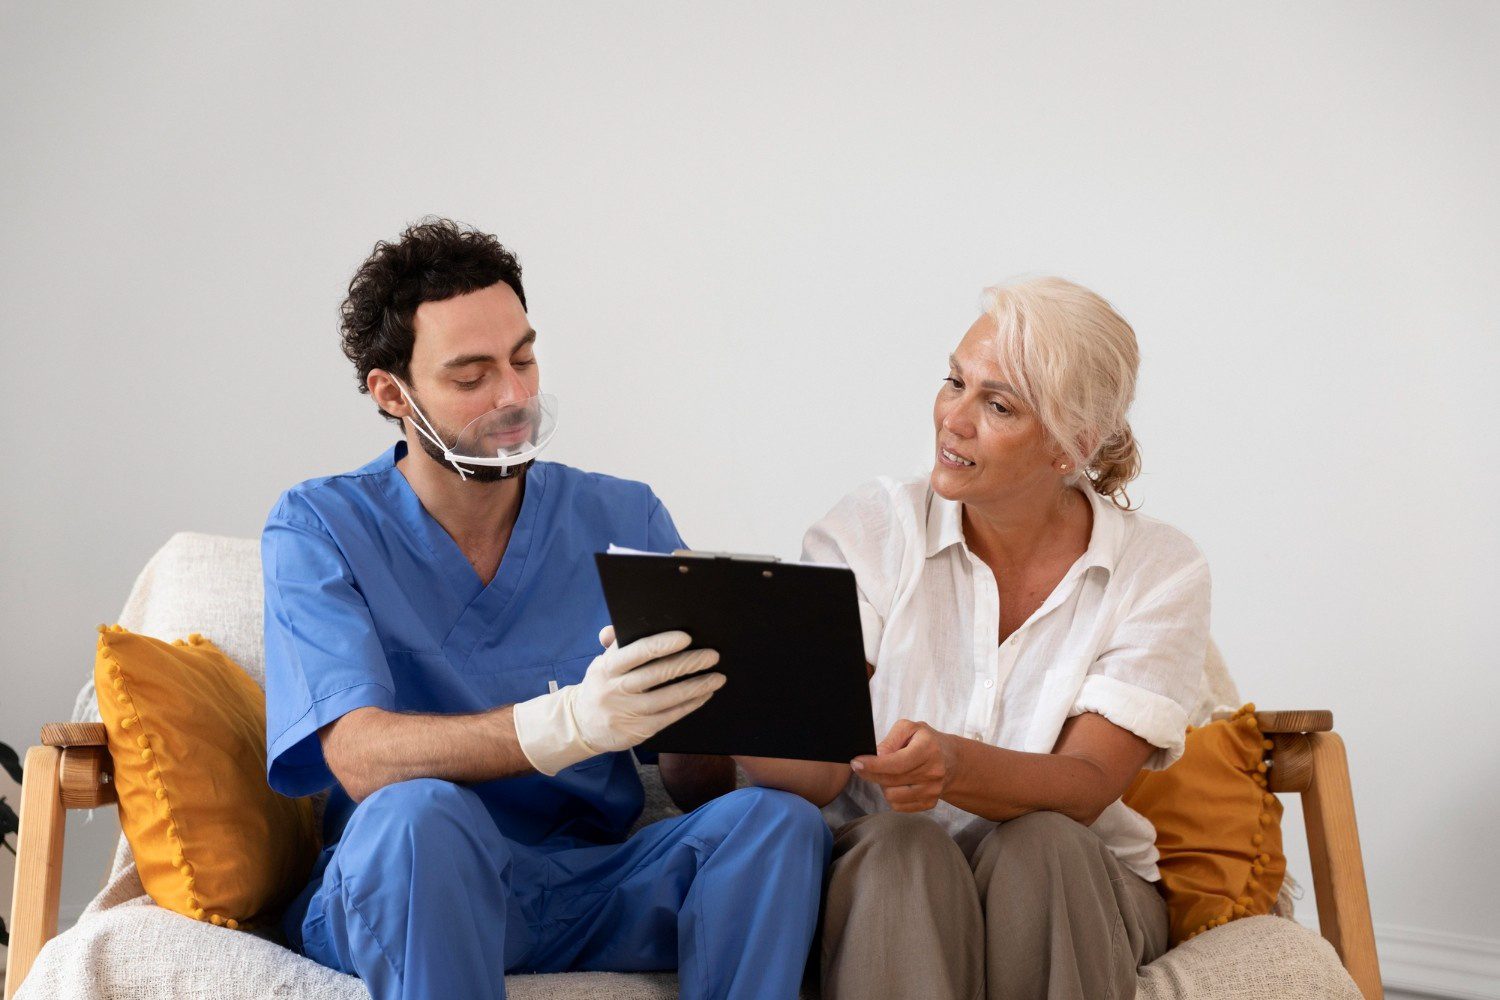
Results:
[991, 449]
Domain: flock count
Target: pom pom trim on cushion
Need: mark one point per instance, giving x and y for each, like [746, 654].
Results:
[1243, 904]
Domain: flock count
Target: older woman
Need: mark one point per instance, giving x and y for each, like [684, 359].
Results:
[1033, 643]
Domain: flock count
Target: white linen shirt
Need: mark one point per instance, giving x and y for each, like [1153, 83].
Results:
[1124, 634]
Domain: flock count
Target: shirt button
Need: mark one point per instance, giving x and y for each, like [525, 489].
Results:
[988, 683]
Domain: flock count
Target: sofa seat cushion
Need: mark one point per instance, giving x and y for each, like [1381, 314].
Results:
[127, 948]
[1250, 959]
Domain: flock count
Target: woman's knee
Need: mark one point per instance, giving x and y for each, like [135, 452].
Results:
[893, 832]
[1037, 832]
[1038, 848]
[887, 842]
[904, 866]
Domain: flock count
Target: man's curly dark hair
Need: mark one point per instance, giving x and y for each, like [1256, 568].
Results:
[434, 259]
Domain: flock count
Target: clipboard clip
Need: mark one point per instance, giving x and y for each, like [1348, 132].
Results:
[736, 556]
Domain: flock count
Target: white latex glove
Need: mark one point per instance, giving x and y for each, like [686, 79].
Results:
[611, 708]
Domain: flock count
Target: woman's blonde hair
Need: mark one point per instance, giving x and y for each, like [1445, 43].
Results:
[1073, 361]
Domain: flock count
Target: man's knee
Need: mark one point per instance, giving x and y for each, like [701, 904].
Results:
[426, 837]
[409, 853]
[423, 812]
[790, 818]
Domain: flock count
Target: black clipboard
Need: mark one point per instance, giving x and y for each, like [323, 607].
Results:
[789, 643]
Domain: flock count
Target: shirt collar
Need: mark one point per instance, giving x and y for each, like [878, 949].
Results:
[945, 523]
[945, 527]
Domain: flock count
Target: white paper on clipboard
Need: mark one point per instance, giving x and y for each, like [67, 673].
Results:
[621, 550]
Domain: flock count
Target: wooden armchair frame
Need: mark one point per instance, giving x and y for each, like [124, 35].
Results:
[72, 769]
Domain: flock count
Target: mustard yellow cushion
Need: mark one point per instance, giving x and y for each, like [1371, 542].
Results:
[187, 731]
[1218, 829]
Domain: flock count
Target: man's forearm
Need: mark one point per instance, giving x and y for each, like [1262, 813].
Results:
[370, 748]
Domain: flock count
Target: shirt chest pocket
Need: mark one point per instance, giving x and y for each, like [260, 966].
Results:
[514, 683]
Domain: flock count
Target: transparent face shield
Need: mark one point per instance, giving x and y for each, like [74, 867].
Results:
[506, 437]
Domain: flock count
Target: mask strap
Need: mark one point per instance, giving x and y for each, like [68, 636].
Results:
[428, 431]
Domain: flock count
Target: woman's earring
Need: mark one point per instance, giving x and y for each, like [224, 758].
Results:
[1063, 467]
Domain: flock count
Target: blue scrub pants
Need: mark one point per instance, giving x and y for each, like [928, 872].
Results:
[423, 897]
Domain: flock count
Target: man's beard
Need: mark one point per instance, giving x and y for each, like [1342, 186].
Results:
[478, 473]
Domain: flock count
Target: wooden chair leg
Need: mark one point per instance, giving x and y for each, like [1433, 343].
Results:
[39, 860]
[1338, 870]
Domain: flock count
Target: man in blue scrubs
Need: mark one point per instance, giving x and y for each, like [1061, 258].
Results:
[433, 656]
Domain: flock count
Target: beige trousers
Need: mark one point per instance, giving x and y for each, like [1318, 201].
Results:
[1042, 910]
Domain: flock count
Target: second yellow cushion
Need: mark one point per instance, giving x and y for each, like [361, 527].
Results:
[1218, 827]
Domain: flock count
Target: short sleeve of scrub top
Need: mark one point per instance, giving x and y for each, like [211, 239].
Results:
[327, 659]
[661, 533]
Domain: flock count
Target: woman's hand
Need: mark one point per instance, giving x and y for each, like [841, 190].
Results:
[913, 765]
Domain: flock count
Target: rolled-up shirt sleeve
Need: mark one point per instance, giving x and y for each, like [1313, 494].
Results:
[323, 655]
[1147, 678]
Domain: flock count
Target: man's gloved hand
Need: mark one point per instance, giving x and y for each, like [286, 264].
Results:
[611, 708]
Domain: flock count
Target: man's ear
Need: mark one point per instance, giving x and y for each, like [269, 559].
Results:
[386, 393]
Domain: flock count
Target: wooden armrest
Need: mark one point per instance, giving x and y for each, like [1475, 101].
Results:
[74, 734]
[70, 769]
[1308, 720]
[86, 771]
[1307, 757]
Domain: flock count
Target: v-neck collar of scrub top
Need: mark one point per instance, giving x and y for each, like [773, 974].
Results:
[483, 603]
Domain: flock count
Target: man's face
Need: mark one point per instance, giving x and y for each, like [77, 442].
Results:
[473, 353]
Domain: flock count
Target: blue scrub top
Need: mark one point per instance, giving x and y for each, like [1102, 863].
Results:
[369, 602]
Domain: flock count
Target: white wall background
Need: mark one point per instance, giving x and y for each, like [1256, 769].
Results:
[751, 234]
